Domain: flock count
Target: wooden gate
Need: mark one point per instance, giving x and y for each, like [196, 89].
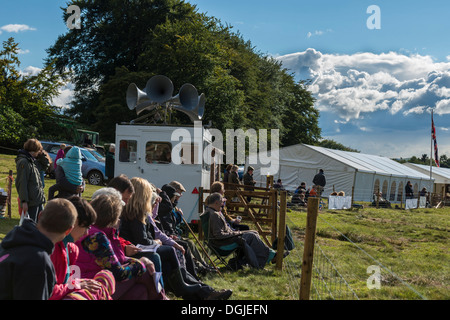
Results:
[256, 205]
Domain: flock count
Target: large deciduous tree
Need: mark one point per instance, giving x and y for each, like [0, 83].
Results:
[26, 108]
[124, 41]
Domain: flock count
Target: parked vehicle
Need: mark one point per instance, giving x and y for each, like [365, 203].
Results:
[92, 169]
[145, 151]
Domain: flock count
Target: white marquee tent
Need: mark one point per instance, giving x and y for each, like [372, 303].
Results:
[441, 176]
[343, 170]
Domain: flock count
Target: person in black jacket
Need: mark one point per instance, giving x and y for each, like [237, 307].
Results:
[320, 181]
[26, 270]
[409, 193]
[170, 226]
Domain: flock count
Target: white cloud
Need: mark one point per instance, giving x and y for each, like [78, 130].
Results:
[363, 97]
[64, 97]
[318, 33]
[352, 85]
[30, 71]
[16, 28]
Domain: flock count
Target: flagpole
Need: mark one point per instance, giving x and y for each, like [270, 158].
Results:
[431, 154]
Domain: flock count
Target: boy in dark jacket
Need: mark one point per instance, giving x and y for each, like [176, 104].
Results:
[26, 270]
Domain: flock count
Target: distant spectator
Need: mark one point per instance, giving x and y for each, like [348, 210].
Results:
[299, 199]
[409, 193]
[227, 173]
[320, 181]
[109, 161]
[233, 177]
[43, 162]
[279, 185]
[249, 181]
[313, 192]
[60, 154]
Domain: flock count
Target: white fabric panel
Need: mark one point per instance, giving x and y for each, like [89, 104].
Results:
[422, 202]
[339, 202]
[410, 204]
[364, 186]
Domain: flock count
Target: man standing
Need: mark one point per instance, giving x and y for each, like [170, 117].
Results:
[409, 193]
[320, 181]
[109, 162]
[248, 181]
[28, 181]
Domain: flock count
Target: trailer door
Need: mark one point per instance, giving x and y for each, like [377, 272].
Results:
[128, 156]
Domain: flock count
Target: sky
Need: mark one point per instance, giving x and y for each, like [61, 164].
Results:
[374, 87]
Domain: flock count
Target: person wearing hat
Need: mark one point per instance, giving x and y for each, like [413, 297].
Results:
[248, 181]
[169, 216]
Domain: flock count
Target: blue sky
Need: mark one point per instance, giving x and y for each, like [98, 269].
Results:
[374, 88]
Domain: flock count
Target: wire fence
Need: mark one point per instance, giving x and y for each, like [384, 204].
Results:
[328, 281]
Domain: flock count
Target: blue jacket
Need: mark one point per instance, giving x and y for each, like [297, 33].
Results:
[72, 166]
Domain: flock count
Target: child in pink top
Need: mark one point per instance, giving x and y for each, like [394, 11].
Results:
[60, 154]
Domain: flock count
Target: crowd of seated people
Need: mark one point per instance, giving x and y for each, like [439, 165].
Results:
[112, 247]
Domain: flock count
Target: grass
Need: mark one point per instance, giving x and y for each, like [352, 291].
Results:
[410, 246]
[7, 163]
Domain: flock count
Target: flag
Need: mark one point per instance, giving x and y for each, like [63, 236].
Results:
[433, 137]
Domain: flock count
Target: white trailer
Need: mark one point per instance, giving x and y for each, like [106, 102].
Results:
[145, 150]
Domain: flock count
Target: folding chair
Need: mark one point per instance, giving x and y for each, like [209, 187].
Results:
[222, 253]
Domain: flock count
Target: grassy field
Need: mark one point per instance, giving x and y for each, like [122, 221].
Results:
[411, 248]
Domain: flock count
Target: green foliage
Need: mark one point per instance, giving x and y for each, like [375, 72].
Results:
[11, 129]
[129, 41]
[25, 100]
[331, 144]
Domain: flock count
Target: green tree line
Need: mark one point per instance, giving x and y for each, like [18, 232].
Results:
[125, 41]
[26, 109]
[444, 161]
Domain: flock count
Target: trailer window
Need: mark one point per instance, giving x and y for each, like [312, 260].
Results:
[128, 151]
[189, 154]
[158, 152]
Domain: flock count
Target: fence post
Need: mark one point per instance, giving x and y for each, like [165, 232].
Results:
[9, 191]
[353, 195]
[308, 253]
[200, 211]
[281, 230]
[378, 197]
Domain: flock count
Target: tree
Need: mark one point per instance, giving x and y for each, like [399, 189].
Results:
[123, 41]
[25, 100]
[331, 144]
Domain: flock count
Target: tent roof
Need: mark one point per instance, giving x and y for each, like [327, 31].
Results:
[370, 163]
[441, 175]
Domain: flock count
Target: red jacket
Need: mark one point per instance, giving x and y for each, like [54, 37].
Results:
[59, 259]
